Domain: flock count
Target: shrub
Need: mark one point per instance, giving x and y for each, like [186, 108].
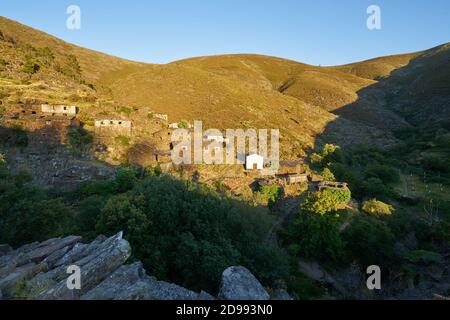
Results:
[183, 124]
[79, 137]
[315, 236]
[384, 173]
[31, 67]
[425, 257]
[125, 110]
[376, 207]
[328, 175]
[374, 187]
[369, 241]
[326, 201]
[271, 193]
[123, 140]
[188, 234]
[436, 163]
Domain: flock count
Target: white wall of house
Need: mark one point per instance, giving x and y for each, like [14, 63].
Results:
[254, 160]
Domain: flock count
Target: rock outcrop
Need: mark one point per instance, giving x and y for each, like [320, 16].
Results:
[239, 284]
[41, 271]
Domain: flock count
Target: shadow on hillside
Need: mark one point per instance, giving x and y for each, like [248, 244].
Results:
[46, 155]
[391, 104]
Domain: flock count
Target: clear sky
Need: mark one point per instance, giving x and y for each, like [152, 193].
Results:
[319, 32]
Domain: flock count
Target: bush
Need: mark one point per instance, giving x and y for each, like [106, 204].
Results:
[183, 124]
[384, 173]
[125, 110]
[79, 138]
[328, 175]
[123, 140]
[326, 201]
[436, 163]
[272, 194]
[31, 67]
[315, 236]
[189, 235]
[369, 241]
[376, 207]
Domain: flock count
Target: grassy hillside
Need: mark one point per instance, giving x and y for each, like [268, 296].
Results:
[352, 104]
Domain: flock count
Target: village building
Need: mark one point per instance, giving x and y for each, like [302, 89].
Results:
[41, 126]
[59, 109]
[323, 185]
[254, 162]
[108, 128]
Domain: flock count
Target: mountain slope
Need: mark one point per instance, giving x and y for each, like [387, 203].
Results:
[354, 103]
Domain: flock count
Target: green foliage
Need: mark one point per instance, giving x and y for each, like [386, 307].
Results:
[326, 201]
[79, 138]
[328, 175]
[71, 68]
[123, 140]
[271, 193]
[375, 207]
[374, 187]
[188, 234]
[184, 124]
[125, 110]
[301, 287]
[385, 173]
[436, 163]
[156, 170]
[315, 236]
[424, 257]
[125, 179]
[369, 241]
[28, 214]
[31, 66]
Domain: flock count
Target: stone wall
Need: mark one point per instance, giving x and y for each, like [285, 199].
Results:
[108, 128]
[59, 109]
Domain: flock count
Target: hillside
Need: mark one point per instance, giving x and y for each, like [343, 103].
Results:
[349, 104]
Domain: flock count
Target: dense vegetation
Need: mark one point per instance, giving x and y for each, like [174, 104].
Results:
[181, 231]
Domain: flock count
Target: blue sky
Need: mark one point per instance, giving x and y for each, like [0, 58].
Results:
[319, 32]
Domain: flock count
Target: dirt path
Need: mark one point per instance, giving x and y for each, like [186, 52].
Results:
[288, 208]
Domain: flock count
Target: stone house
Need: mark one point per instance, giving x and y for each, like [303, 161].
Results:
[111, 128]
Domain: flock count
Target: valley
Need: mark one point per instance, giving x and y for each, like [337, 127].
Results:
[364, 177]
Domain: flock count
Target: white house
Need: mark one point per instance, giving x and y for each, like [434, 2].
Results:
[254, 162]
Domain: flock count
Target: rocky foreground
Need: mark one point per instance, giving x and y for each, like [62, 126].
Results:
[40, 271]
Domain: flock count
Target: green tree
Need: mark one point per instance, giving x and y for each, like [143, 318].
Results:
[369, 241]
[375, 207]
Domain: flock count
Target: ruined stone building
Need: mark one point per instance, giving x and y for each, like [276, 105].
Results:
[59, 110]
[323, 185]
[113, 128]
[43, 127]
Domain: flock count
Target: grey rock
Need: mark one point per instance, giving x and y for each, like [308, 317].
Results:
[5, 249]
[109, 256]
[281, 295]
[238, 283]
[130, 282]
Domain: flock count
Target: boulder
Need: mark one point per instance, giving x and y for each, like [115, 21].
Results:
[238, 283]
[130, 282]
[5, 249]
[95, 267]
